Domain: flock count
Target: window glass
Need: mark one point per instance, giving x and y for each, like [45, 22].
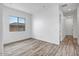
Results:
[21, 20]
[16, 24]
[13, 19]
[21, 24]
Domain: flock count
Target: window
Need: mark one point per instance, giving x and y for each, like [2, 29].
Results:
[16, 24]
[21, 24]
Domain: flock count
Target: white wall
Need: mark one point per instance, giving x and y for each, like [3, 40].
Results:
[46, 24]
[75, 24]
[78, 24]
[61, 18]
[15, 36]
[1, 30]
[68, 25]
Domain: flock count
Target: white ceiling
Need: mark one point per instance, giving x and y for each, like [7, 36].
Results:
[69, 8]
[28, 7]
[32, 8]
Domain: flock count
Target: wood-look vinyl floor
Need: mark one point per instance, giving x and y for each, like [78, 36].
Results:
[33, 47]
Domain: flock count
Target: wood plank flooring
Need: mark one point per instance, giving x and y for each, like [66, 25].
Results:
[33, 47]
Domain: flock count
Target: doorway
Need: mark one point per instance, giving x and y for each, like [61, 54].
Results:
[68, 26]
[68, 21]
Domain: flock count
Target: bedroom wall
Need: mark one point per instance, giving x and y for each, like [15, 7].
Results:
[46, 24]
[1, 31]
[15, 36]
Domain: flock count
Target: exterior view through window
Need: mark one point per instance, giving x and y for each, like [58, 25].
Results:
[16, 24]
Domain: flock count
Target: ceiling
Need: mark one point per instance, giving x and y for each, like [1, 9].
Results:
[69, 8]
[28, 7]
